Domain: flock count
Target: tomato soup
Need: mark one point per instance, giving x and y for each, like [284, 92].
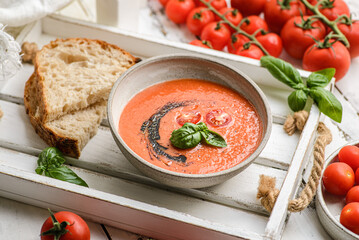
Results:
[149, 118]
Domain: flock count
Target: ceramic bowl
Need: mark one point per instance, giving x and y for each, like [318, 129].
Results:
[329, 206]
[170, 67]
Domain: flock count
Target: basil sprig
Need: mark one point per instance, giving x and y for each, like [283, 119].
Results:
[314, 87]
[51, 162]
[190, 135]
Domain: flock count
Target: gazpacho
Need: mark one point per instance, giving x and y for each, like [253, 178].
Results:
[150, 117]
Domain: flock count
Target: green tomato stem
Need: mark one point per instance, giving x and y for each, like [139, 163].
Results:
[332, 24]
[252, 37]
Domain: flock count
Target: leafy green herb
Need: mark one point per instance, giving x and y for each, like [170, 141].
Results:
[327, 103]
[297, 100]
[314, 87]
[51, 162]
[190, 135]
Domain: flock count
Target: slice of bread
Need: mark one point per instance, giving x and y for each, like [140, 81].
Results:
[75, 73]
[69, 133]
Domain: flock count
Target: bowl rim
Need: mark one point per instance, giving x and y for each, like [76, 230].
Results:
[320, 199]
[244, 163]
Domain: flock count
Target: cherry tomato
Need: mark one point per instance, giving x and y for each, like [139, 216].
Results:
[255, 23]
[357, 176]
[332, 9]
[349, 217]
[247, 8]
[235, 42]
[198, 18]
[276, 16]
[217, 33]
[338, 178]
[218, 118]
[163, 2]
[352, 34]
[199, 43]
[297, 39]
[192, 117]
[349, 155]
[77, 227]
[272, 43]
[252, 52]
[232, 15]
[217, 4]
[352, 195]
[178, 10]
[337, 56]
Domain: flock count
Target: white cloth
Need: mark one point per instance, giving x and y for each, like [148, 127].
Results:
[21, 12]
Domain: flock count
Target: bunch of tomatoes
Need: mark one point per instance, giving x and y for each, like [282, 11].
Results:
[339, 178]
[254, 28]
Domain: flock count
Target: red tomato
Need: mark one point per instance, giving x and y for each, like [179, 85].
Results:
[77, 227]
[272, 43]
[217, 4]
[199, 43]
[235, 42]
[252, 52]
[276, 16]
[247, 8]
[352, 195]
[218, 118]
[255, 23]
[198, 18]
[352, 34]
[338, 178]
[333, 9]
[232, 15]
[178, 10]
[192, 117]
[163, 2]
[297, 39]
[337, 56]
[349, 155]
[349, 217]
[217, 33]
[357, 176]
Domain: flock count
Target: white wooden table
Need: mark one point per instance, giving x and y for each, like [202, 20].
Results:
[23, 221]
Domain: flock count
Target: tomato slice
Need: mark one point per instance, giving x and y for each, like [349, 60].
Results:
[192, 117]
[218, 118]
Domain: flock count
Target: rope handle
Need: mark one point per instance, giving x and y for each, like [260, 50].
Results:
[267, 193]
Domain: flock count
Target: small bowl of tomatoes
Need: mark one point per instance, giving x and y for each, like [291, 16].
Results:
[337, 201]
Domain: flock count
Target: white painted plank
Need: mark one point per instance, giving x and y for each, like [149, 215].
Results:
[278, 216]
[106, 190]
[305, 225]
[350, 121]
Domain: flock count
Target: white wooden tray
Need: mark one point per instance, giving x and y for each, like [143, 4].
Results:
[121, 196]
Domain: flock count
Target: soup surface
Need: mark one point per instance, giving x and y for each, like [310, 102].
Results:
[149, 118]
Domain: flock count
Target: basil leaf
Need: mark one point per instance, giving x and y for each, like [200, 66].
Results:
[283, 71]
[50, 157]
[297, 100]
[213, 138]
[202, 126]
[327, 103]
[320, 78]
[51, 162]
[188, 136]
[66, 174]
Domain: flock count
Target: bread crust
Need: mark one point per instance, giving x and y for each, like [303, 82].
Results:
[44, 112]
[66, 145]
